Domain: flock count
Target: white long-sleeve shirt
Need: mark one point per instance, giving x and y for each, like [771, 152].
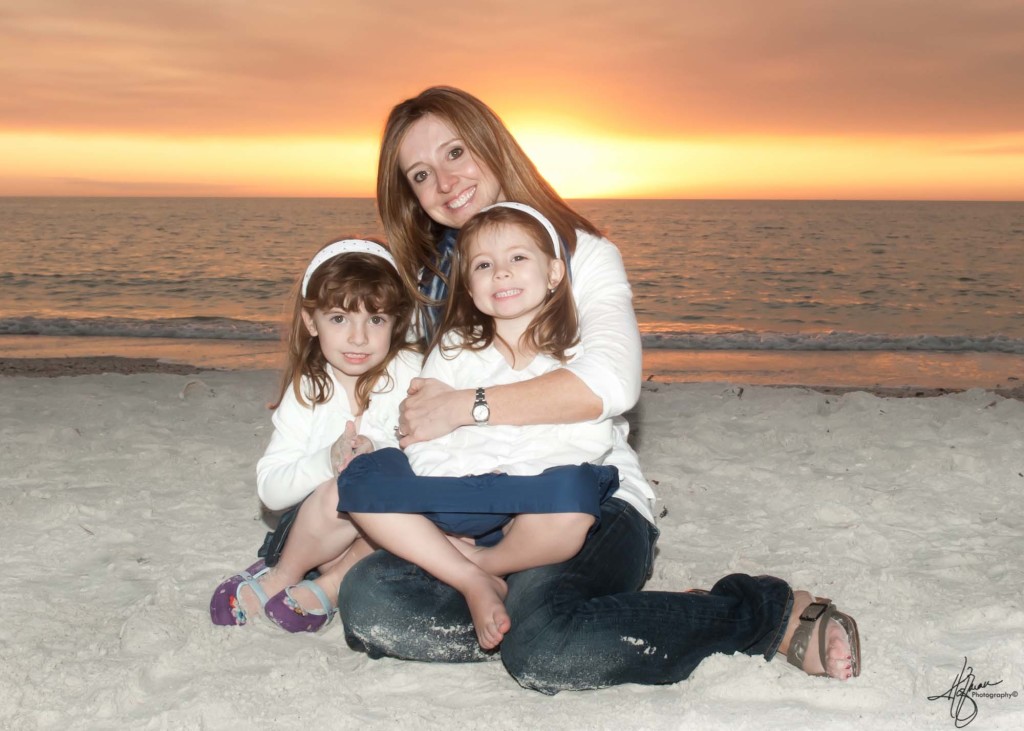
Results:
[516, 450]
[298, 457]
[611, 363]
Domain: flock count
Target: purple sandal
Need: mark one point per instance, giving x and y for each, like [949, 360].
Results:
[225, 606]
[288, 614]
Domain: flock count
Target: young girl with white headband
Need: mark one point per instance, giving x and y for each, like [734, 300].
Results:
[537, 489]
[349, 367]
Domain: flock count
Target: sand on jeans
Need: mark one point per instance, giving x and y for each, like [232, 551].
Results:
[126, 498]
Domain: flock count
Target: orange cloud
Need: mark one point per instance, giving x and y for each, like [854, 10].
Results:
[184, 92]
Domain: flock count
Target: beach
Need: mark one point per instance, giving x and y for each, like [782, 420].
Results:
[129, 493]
[810, 214]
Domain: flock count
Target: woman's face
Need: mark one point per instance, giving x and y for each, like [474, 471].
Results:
[450, 184]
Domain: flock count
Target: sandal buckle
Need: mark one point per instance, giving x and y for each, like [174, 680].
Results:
[813, 611]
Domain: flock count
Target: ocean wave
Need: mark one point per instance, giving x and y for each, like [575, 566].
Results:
[748, 340]
[225, 328]
[189, 328]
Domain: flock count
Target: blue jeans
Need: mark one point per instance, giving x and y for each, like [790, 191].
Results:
[576, 625]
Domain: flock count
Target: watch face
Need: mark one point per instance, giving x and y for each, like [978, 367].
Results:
[481, 412]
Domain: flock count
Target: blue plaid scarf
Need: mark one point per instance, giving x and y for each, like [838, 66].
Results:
[435, 287]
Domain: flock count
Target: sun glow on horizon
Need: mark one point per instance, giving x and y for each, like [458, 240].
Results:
[151, 165]
[580, 162]
[651, 100]
[589, 165]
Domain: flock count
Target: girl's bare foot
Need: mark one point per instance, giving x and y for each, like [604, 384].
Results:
[485, 595]
[838, 660]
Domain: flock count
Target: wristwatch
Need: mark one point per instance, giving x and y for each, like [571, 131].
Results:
[481, 411]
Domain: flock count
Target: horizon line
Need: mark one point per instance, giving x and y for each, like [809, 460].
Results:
[568, 198]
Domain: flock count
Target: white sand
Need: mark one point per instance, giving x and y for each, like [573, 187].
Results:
[125, 499]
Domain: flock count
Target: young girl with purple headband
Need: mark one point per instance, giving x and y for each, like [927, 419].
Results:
[349, 367]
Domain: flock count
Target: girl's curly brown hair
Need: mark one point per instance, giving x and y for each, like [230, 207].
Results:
[350, 282]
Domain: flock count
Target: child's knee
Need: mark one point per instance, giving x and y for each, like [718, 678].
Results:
[577, 522]
[325, 497]
[583, 521]
[573, 527]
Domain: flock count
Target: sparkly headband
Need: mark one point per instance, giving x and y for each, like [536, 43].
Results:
[345, 246]
[536, 214]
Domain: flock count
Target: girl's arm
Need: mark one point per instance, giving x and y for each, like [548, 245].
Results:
[603, 382]
[308, 446]
[288, 470]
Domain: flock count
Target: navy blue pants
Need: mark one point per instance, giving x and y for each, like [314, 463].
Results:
[477, 506]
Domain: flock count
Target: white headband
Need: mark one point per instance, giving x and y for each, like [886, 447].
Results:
[345, 246]
[536, 214]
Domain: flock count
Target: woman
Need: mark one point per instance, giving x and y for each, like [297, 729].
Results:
[444, 156]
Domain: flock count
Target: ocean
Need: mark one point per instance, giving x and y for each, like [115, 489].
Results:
[855, 293]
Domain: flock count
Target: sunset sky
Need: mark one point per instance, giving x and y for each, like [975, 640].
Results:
[906, 99]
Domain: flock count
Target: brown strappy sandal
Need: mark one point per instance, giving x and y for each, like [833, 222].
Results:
[823, 609]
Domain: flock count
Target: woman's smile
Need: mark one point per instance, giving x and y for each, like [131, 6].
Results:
[463, 199]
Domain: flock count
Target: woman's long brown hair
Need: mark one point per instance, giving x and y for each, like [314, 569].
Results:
[412, 234]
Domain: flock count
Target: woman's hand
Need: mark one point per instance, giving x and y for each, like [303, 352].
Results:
[432, 410]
